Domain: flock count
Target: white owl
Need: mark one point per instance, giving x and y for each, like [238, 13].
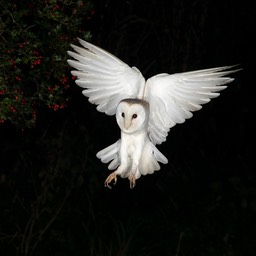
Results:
[145, 110]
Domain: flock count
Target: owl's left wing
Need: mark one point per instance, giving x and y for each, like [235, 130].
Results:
[172, 98]
[105, 78]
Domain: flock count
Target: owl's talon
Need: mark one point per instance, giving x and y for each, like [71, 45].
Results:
[132, 181]
[109, 179]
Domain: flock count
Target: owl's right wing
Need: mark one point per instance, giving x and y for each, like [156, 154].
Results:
[106, 79]
[172, 98]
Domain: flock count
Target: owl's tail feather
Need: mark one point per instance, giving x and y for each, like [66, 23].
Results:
[150, 158]
[110, 153]
[158, 155]
[149, 162]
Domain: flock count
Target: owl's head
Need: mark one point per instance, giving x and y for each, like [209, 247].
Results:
[132, 115]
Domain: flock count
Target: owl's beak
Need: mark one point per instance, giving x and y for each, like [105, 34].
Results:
[127, 123]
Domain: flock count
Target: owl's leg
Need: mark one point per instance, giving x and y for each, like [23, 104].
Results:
[110, 178]
[113, 176]
[132, 180]
[134, 174]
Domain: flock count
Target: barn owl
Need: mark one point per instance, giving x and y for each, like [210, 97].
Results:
[145, 110]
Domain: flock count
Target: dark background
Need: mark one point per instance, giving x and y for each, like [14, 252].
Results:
[202, 203]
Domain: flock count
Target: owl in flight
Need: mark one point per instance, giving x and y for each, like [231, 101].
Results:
[145, 109]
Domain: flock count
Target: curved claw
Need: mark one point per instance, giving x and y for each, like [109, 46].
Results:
[132, 181]
[109, 179]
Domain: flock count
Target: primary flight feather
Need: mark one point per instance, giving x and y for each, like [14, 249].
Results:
[145, 110]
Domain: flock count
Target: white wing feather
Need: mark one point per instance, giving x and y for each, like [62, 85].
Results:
[172, 98]
[106, 79]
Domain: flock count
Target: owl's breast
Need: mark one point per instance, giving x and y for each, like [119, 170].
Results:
[131, 148]
[133, 143]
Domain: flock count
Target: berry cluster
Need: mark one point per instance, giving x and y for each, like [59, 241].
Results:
[33, 69]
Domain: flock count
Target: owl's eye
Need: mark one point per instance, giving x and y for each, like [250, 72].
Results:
[122, 114]
[134, 116]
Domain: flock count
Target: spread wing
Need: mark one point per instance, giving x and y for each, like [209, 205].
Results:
[172, 98]
[106, 79]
